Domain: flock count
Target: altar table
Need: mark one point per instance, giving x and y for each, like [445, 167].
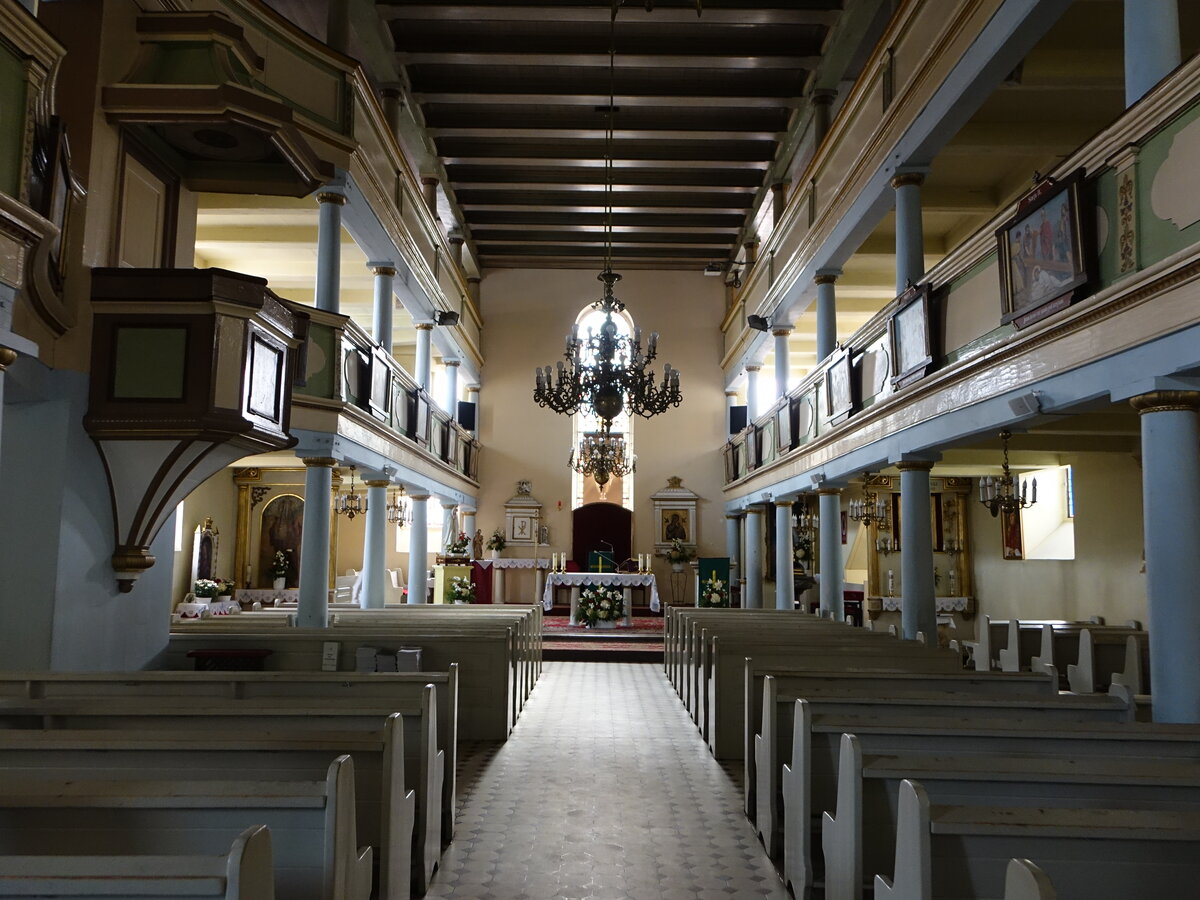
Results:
[625, 581]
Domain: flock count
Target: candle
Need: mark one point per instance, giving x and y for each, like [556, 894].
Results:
[891, 583]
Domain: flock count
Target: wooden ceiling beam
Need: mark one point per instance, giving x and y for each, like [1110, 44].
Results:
[595, 99]
[672, 57]
[597, 134]
[574, 177]
[782, 13]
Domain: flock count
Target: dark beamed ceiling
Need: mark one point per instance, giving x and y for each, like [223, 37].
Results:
[514, 96]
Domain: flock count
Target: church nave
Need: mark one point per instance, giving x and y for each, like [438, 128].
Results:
[604, 790]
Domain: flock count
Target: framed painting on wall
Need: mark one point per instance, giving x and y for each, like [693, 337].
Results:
[839, 393]
[1010, 533]
[1042, 253]
[910, 335]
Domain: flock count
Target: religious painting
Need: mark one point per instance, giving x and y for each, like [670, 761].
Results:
[521, 528]
[910, 335]
[1041, 252]
[675, 525]
[839, 394]
[1010, 532]
[282, 527]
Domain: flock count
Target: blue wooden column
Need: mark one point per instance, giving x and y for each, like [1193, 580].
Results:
[327, 293]
[375, 545]
[918, 606]
[451, 368]
[826, 312]
[424, 357]
[313, 611]
[1152, 49]
[785, 586]
[733, 546]
[752, 595]
[781, 359]
[381, 322]
[910, 235]
[832, 566]
[752, 392]
[418, 548]
[1171, 513]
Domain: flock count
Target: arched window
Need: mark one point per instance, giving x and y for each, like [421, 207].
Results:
[584, 488]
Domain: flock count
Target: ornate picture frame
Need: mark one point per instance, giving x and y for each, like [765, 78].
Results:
[839, 386]
[910, 336]
[1042, 255]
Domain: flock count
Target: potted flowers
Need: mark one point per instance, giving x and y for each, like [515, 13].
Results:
[679, 554]
[496, 543]
[462, 590]
[281, 564]
[714, 592]
[600, 607]
[206, 588]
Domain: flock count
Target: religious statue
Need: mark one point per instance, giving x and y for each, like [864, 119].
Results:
[477, 545]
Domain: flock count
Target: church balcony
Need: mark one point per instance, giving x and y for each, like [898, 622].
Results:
[354, 389]
[1134, 318]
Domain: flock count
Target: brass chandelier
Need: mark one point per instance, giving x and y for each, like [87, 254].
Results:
[1005, 492]
[608, 373]
[602, 455]
[350, 503]
[872, 508]
[397, 508]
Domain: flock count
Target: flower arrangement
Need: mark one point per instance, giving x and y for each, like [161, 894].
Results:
[461, 589]
[679, 552]
[497, 541]
[714, 592]
[600, 604]
[281, 564]
[458, 546]
[211, 587]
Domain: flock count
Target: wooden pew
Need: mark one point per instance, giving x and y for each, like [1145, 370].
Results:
[1105, 655]
[424, 762]
[244, 873]
[963, 851]
[315, 844]
[779, 685]
[488, 696]
[809, 782]
[860, 837]
[343, 690]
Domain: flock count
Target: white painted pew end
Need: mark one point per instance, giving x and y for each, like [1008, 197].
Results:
[839, 833]
[1025, 881]
[912, 878]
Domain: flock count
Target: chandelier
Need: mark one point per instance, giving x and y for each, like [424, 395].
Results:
[1005, 492]
[872, 508]
[603, 456]
[350, 503]
[397, 508]
[608, 372]
[807, 521]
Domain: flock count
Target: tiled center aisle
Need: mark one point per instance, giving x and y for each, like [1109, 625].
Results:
[604, 790]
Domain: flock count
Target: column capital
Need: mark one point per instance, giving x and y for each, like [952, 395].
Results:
[382, 268]
[419, 497]
[915, 465]
[753, 368]
[1166, 401]
[377, 483]
[785, 503]
[423, 326]
[452, 362]
[315, 462]
[824, 96]
[828, 491]
[827, 275]
[468, 510]
[755, 509]
[902, 179]
[331, 197]
[734, 516]
[781, 331]
[472, 389]
[8, 356]
[429, 179]
[456, 237]
[780, 186]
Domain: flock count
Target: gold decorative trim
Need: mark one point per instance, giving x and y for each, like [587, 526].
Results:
[825, 278]
[1126, 219]
[377, 483]
[8, 356]
[828, 492]
[423, 326]
[319, 461]
[784, 502]
[331, 197]
[452, 362]
[387, 271]
[915, 465]
[1166, 401]
[906, 178]
[781, 332]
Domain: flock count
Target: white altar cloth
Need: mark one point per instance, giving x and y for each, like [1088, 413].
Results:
[943, 604]
[625, 581]
[515, 563]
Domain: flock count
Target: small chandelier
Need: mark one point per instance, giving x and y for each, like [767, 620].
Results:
[608, 372]
[603, 456]
[350, 503]
[807, 521]
[1006, 492]
[872, 509]
[397, 508]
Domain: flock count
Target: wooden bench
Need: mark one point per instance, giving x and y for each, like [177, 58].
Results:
[244, 873]
[405, 690]
[963, 851]
[422, 764]
[1108, 656]
[809, 782]
[860, 836]
[764, 758]
[489, 698]
[315, 845]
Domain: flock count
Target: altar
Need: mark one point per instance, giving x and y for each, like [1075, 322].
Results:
[625, 581]
[500, 565]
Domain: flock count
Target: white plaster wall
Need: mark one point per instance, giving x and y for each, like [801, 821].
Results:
[216, 498]
[1105, 577]
[527, 315]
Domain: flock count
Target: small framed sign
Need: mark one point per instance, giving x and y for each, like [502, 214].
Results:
[911, 336]
[1042, 254]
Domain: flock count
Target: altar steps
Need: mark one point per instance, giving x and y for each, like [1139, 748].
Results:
[640, 643]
